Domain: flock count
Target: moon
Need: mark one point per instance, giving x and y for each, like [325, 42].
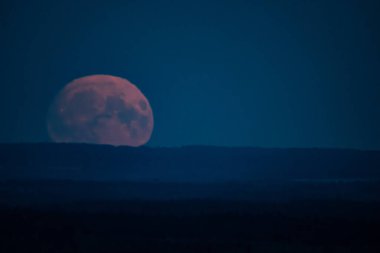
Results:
[101, 109]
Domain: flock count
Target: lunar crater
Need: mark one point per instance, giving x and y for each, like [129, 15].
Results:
[143, 105]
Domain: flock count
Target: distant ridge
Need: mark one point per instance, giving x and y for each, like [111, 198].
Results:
[188, 163]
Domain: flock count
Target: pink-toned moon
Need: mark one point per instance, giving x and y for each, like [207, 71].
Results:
[101, 109]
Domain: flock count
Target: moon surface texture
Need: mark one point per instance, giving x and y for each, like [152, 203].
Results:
[101, 109]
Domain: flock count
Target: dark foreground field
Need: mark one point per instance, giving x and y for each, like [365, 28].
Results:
[83, 223]
[292, 227]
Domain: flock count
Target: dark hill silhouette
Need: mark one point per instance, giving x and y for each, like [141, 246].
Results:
[191, 163]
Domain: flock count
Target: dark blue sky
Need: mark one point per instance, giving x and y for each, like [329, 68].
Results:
[254, 73]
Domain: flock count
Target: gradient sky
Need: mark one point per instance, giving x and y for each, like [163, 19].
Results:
[279, 73]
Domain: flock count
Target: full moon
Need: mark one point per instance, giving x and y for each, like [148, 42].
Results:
[101, 109]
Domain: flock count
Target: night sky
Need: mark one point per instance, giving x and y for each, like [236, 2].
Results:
[290, 73]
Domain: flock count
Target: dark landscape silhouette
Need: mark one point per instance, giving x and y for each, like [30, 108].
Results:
[92, 198]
